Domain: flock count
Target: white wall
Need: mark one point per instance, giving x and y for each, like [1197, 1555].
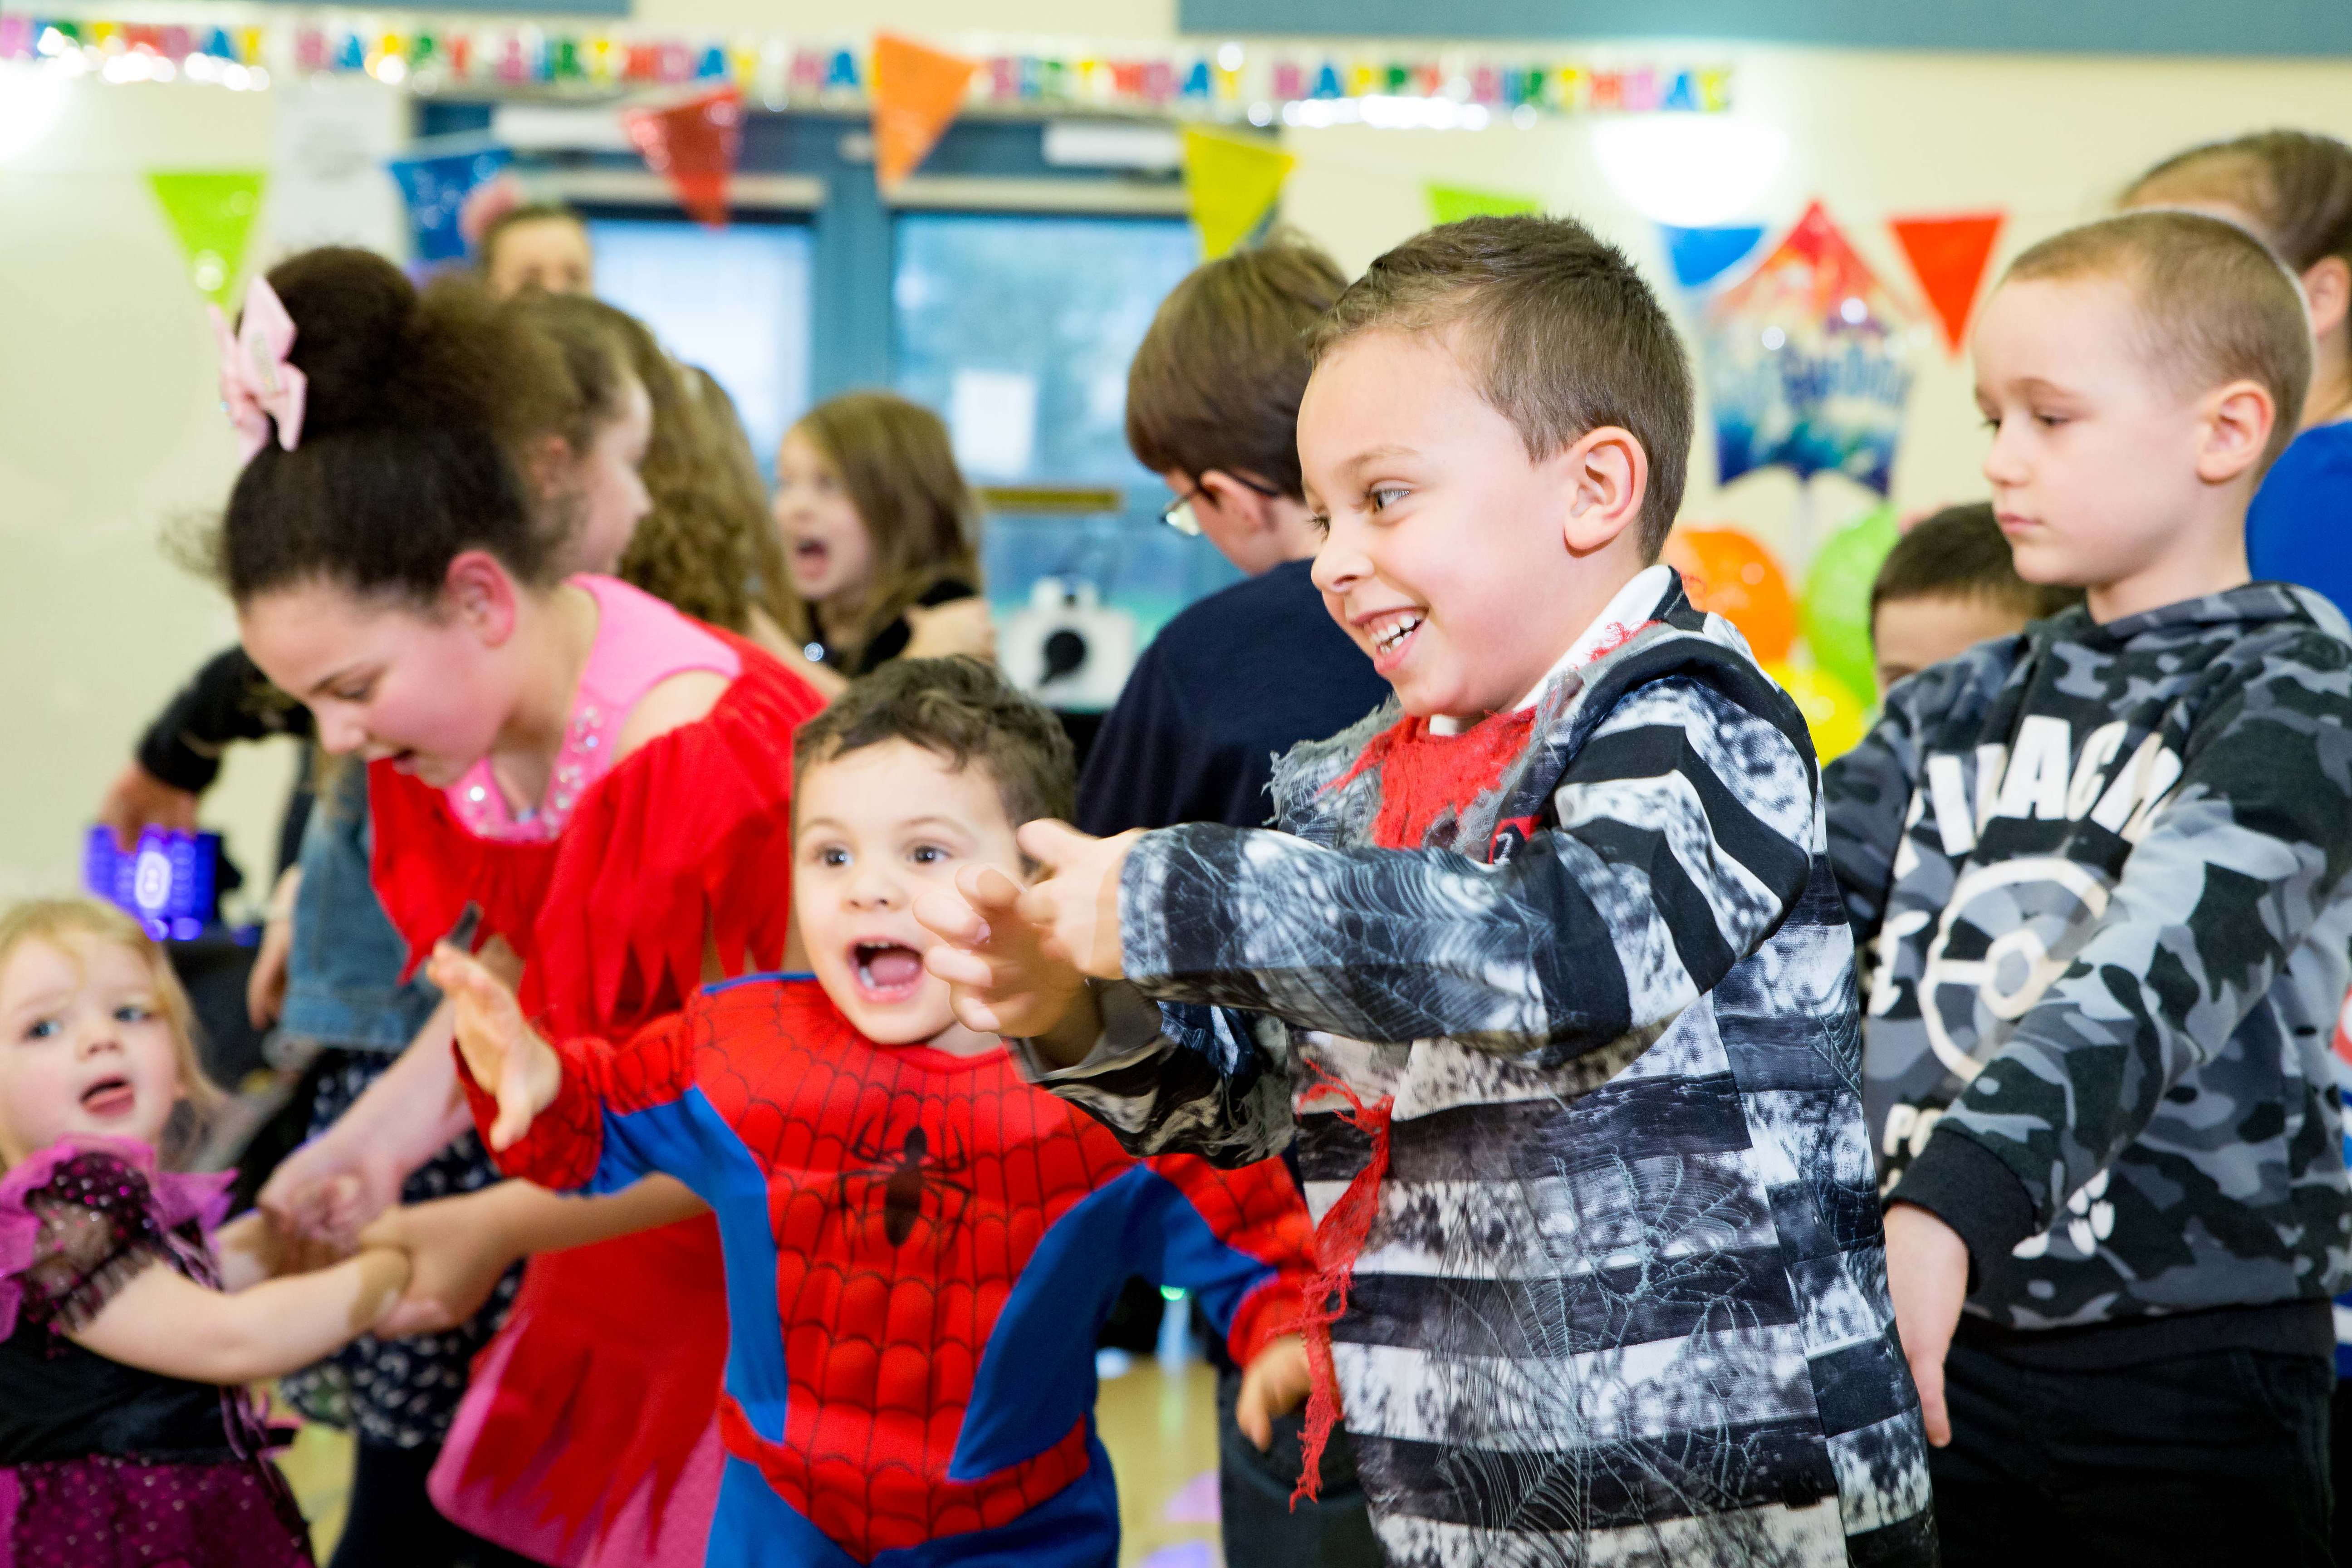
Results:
[110, 429]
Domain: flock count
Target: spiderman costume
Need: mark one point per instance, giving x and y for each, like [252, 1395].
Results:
[935, 1243]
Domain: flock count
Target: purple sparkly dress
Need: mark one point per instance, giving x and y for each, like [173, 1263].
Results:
[103, 1465]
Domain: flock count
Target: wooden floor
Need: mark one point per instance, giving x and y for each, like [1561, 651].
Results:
[1160, 1427]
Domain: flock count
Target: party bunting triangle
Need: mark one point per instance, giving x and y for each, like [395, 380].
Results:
[1233, 186]
[694, 146]
[1700, 256]
[211, 211]
[917, 91]
[1452, 204]
[1948, 256]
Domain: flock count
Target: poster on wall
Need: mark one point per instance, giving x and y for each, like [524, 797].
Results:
[1809, 362]
[329, 184]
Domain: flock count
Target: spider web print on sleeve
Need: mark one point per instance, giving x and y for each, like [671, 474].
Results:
[906, 1193]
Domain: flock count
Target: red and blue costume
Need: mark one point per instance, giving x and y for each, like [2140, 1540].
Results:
[919, 1248]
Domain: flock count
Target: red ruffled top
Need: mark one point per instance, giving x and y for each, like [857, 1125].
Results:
[690, 834]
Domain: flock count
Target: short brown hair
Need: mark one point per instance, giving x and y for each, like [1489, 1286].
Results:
[1215, 382]
[895, 460]
[961, 710]
[2296, 185]
[2214, 304]
[1960, 552]
[1563, 337]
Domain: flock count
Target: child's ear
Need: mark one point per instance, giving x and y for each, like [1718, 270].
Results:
[552, 462]
[1607, 473]
[480, 593]
[2327, 289]
[2236, 427]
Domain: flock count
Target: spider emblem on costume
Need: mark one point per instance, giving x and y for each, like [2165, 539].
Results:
[911, 1181]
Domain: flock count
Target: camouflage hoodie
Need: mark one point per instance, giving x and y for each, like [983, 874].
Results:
[2101, 873]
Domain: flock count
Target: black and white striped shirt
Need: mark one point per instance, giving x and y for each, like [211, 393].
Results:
[1624, 1300]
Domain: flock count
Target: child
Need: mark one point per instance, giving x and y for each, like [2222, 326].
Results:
[2295, 189]
[126, 1436]
[881, 538]
[2103, 862]
[602, 780]
[532, 245]
[1946, 586]
[941, 1240]
[1572, 1050]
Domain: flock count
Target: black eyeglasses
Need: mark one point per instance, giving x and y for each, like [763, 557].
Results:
[1178, 513]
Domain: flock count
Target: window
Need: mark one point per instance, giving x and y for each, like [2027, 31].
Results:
[1018, 327]
[734, 302]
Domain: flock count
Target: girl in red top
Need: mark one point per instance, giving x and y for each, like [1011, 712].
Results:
[606, 780]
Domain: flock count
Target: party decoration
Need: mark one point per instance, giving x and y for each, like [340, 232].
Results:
[695, 146]
[437, 188]
[1728, 573]
[1838, 718]
[1700, 256]
[1233, 184]
[1452, 204]
[1835, 612]
[1948, 255]
[1295, 81]
[1809, 362]
[210, 212]
[917, 91]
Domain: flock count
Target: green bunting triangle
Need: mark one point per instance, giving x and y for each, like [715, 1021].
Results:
[211, 211]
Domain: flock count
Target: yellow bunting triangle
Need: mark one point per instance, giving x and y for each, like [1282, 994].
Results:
[1233, 185]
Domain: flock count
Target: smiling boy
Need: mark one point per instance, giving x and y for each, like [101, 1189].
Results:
[919, 1246]
[2102, 863]
[1547, 971]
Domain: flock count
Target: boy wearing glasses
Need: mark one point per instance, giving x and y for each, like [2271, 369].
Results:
[1227, 686]
[1248, 673]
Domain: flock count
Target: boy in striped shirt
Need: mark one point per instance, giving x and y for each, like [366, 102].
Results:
[1547, 973]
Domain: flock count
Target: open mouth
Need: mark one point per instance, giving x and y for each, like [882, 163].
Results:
[809, 555]
[885, 971]
[110, 1096]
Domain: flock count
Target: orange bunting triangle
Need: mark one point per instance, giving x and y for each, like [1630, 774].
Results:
[1948, 256]
[917, 91]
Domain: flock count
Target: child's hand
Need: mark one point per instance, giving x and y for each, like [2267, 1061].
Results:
[328, 1188]
[1928, 1275]
[1076, 905]
[502, 1051]
[1002, 978]
[1276, 1383]
[456, 1248]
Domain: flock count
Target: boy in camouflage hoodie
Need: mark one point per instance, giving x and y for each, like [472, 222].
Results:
[1548, 975]
[2102, 863]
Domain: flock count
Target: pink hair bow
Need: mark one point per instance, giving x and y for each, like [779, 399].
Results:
[259, 383]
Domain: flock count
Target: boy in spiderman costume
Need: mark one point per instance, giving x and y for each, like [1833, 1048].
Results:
[919, 1245]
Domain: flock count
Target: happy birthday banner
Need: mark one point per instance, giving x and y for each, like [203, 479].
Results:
[1298, 82]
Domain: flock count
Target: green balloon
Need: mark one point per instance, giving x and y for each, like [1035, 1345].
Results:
[1835, 612]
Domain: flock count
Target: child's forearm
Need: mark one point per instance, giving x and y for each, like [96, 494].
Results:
[414, 1110]
[531, 1219]
[165, 1323]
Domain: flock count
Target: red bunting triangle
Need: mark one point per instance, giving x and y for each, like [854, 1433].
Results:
[695, 146]
[1948, 256]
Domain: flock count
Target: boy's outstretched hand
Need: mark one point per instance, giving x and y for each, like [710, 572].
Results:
[1016, 959]
[1928, 1275]
[1276, 1383]
[502, 1051]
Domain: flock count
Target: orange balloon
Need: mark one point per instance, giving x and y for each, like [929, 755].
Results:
[1726, 571]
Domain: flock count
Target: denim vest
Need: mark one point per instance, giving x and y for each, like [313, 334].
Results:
[342, 986]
